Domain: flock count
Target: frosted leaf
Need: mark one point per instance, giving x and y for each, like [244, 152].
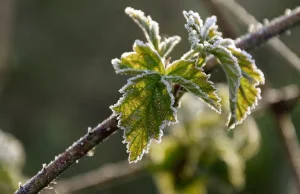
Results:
[144, 109]
[233, 74]
[209, 24]
[167, 45]
[149, 27]
[248, 93]
[199, 32]
[185, 73]
[142, 60]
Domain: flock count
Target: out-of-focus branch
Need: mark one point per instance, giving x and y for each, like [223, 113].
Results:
[223, 21]
[109, 126]
[287, 132]
[275, 43]
[102, 176]
[6, 25]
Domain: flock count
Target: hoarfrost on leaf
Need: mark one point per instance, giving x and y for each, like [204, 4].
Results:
[242, 75]
[185, 73]
[142, 60]
[144, 109]
[147, 104]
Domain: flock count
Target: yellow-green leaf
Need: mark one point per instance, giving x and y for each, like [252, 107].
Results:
[248, 93]
[143, 59]
[185, 73]
[144, 110]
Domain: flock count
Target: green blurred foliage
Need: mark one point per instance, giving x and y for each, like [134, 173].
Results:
[200, 148]
[11, 163]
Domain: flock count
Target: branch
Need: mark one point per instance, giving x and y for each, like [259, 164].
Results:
[100, 176]
[276, 44]
[67, 158]
[121, 170]
[109, 126]
[287, 132]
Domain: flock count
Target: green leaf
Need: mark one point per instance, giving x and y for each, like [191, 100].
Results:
[233, 74]
[248, 93]
[149, 27]
[143, 59]
[167, 45]
[144, 110]
[185, 73]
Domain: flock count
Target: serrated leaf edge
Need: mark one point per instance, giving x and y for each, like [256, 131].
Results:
[161, 127]
[255, 84]
[130, 11]
[218, 110]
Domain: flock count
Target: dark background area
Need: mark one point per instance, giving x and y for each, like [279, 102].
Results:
[59, 81]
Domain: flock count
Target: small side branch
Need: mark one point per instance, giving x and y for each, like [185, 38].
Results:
[286, 130]
[100, 177]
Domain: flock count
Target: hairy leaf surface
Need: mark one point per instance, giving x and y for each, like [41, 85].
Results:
[144, 110]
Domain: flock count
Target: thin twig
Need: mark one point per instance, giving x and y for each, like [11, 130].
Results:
[106, 129]
[246, 18]
[287, 132]
[99, 177]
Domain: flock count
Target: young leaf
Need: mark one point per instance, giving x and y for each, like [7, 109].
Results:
[149, 27]
[167, 45]
[248, 94]
[233, 74]
[185, 73]
[144, 110]
[143, 59]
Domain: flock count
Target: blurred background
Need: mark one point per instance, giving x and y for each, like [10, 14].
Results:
[56, 80]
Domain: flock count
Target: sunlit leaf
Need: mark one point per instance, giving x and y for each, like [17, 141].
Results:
[233, 74]
[194, 80]
[144, 110]
[248, 93]
[149, 27]
[143, 59]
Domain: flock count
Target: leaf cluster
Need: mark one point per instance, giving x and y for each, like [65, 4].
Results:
[147, 104]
